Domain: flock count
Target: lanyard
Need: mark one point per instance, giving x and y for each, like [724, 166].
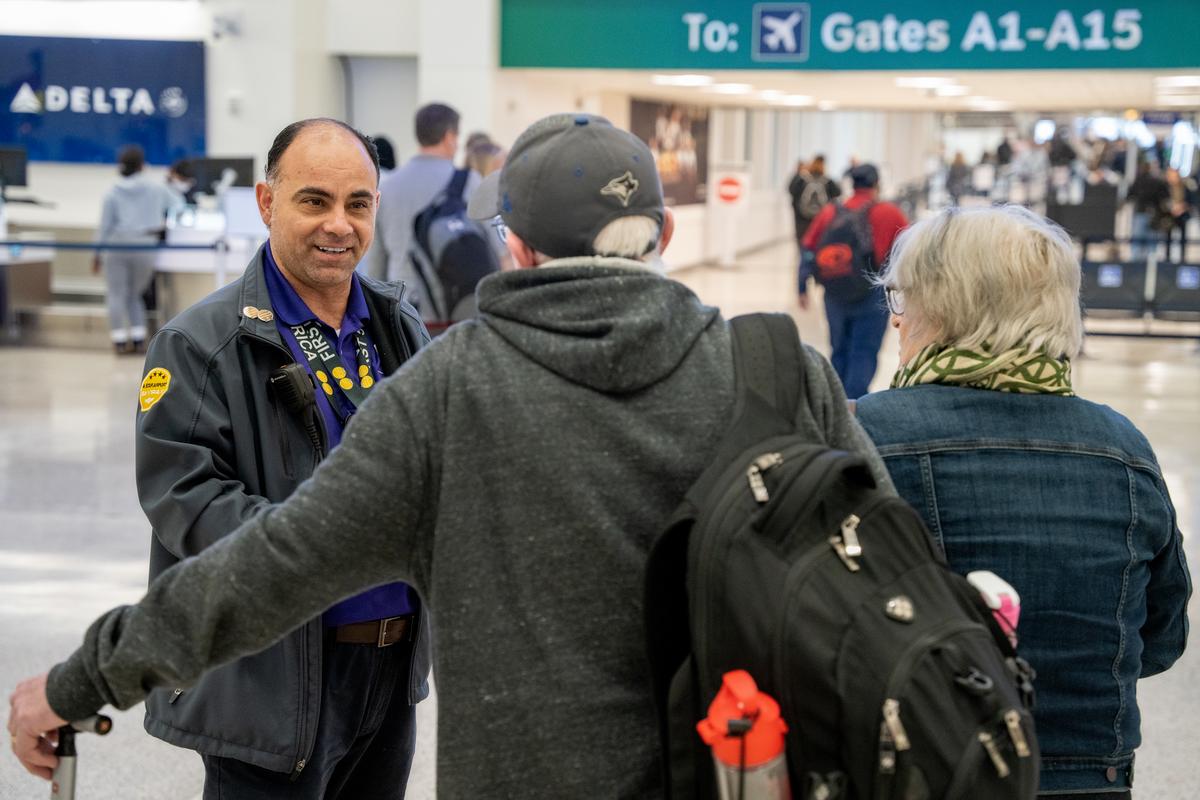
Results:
[326, 365]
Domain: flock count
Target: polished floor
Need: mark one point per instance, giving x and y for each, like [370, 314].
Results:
[73, 541]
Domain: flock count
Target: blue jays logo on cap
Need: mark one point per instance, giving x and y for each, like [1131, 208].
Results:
[622, 188]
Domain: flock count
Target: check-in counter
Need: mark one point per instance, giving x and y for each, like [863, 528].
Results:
[186, 276]
[24, 282]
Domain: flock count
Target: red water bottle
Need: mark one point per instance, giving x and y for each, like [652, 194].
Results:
[745, 732]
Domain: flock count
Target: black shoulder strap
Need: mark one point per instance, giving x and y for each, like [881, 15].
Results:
[768, 369]
[457, 184]
[767, 360]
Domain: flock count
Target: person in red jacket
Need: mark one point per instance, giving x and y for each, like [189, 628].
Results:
[856, 327]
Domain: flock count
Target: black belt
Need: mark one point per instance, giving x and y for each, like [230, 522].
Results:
[379, 632]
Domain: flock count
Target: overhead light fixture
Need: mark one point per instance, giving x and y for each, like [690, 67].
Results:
[795, 100]
[988, 104]
[923, 81]
[772, 94]
[682, 80]
[952, 90]
[1179, 100]
[730, 88]
[827, 105]
[1169, 82]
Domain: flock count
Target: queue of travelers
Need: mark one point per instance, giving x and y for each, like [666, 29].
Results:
[325, 482]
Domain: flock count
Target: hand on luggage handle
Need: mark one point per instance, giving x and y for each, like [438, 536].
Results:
[62, 783]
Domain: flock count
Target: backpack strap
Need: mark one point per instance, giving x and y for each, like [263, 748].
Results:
[454, 189]
[768, 369]
[768, 361]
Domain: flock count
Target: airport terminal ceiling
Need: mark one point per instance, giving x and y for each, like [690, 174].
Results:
[945, 91]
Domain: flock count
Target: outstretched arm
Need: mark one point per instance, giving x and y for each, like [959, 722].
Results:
[364, 518]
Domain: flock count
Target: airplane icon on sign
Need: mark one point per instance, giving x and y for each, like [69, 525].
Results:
[782, 32]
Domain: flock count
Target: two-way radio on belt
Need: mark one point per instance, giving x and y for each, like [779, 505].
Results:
[62, 783]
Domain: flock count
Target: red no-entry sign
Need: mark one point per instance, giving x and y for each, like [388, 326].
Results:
[729, 189]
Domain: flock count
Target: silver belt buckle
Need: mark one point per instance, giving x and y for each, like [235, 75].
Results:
[383, 623]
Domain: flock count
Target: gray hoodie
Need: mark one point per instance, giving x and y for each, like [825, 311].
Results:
[135, 209]
[515, 473]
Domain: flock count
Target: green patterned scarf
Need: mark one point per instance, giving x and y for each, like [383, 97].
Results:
[1016, 370]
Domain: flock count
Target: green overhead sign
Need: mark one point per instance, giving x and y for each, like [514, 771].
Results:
[859, 35]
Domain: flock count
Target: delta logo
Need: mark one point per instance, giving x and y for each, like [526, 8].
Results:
[98, 100]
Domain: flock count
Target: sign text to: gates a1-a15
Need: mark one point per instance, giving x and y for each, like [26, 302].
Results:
[842, 31]
[843, 35]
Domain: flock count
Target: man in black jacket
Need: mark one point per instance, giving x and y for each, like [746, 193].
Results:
[328, 710]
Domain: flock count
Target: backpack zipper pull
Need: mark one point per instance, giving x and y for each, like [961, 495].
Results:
[846, 544]
[850, 536]
[891, 718]
[835, 542]
[755, 472]
[993, 752]
[1012, 719]
[887, 750]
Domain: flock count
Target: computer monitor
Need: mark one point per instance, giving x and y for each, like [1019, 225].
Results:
[208, 172]
[242, 219]
[12, 166]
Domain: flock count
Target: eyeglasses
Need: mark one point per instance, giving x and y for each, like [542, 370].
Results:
[895, 300]
[500, 228]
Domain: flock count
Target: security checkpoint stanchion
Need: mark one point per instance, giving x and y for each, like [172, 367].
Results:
[62, 783]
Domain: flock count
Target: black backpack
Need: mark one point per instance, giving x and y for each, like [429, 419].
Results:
[787, 561]
[845, 255]
[452, 254]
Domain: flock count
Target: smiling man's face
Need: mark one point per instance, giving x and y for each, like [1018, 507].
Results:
[320, 209]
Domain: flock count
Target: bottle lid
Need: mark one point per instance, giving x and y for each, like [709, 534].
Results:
[740, 711]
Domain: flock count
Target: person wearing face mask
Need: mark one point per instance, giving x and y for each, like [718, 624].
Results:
[181, 178]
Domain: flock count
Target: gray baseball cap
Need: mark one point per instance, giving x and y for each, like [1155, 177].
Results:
[566, 177]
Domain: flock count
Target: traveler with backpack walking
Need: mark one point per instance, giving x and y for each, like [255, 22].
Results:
[811, 190]
[409, 190]
[843, 250]
[514, 473]
[984, 435]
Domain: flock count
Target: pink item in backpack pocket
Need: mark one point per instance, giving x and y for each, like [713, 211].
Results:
[1001, 598]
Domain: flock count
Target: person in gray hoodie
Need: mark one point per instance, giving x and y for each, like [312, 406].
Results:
[134, 212]
[514, 472]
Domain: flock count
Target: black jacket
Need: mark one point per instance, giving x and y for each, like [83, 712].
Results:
[214, 449]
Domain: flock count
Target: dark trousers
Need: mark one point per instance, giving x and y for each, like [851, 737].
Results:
[1123, 794]
[855, 333]
[365, 735]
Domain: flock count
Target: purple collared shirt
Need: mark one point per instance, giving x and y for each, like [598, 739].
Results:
[393, 599]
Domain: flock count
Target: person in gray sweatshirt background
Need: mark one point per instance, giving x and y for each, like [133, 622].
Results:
[134, 212]
[514, 472]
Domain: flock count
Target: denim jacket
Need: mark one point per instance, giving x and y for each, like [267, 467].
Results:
[1064, 499]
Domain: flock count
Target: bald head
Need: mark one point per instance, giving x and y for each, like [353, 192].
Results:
[316, 125]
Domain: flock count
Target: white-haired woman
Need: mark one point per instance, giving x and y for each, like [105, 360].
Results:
[984, 435]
